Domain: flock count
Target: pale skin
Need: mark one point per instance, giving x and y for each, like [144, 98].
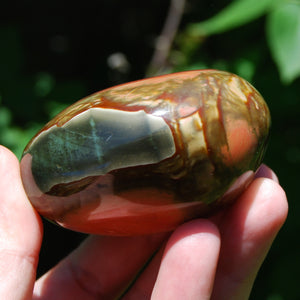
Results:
[216, 258]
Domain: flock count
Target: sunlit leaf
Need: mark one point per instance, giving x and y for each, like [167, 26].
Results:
[283, 32]
[237, 13]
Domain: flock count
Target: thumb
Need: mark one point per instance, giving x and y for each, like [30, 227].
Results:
[20, 233]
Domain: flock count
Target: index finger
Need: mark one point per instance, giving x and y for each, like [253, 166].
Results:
[101, 268]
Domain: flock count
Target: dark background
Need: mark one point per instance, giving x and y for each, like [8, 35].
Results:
[53, 53]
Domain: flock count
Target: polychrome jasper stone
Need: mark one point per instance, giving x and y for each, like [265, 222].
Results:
[145, 156]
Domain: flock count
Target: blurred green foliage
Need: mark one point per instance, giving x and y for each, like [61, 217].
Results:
[282, 29]
[52, 55]
[283, 32]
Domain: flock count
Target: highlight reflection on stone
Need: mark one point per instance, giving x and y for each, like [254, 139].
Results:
[146, 156]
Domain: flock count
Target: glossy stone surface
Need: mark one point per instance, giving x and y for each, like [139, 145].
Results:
[146, 156]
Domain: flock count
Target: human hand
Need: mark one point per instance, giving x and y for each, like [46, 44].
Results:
[215, 258]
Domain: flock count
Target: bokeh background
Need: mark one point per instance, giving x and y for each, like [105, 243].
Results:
[55, 52]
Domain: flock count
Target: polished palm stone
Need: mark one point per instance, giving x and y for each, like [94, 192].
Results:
[145, 156]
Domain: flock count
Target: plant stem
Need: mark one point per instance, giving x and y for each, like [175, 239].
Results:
[164, 42]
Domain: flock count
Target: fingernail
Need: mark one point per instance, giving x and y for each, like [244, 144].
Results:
[266, 172]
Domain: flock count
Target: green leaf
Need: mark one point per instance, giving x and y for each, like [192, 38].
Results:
[44, 84]
[54, 107]
[237, 13]
[283, 33]
[5, 118]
